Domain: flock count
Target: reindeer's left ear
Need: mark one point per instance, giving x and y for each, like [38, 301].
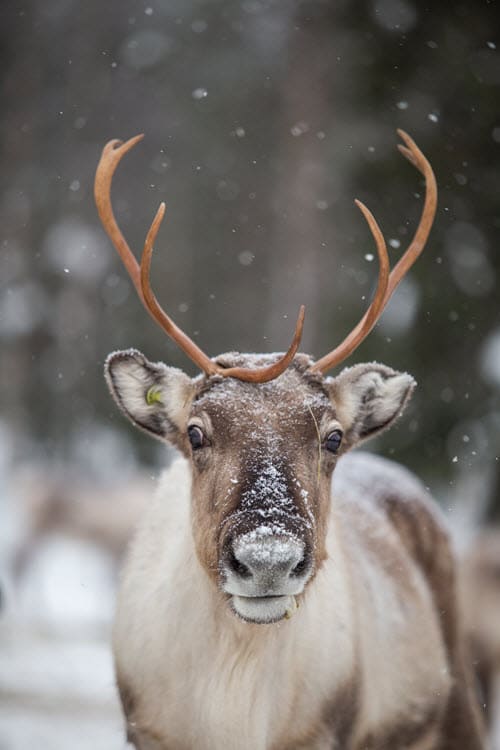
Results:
[369, 398]
[153, 396]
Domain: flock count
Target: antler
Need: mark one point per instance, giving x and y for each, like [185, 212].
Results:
[387, 283]
[111, 156]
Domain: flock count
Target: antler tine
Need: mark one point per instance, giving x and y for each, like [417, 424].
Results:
[365, 325]
[264, 374]
[352, 341]
[157, 313]
[257, 375]
[111, 156]
[416, 157]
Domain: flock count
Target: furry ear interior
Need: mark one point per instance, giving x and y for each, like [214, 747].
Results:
[153, 396]
[368, 398]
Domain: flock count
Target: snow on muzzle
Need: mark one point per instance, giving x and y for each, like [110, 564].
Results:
[263, 572]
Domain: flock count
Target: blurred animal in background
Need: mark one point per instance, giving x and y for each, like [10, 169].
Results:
[480, 590]
[263, 605]
[60, 504]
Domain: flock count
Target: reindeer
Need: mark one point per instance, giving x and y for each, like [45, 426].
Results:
[263, 606]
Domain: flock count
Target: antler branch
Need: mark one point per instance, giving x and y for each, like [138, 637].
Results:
[112, 154]
[387, 284]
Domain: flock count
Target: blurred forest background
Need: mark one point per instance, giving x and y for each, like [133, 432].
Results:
[263, 120]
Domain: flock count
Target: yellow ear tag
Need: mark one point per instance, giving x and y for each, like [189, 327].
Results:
[153, 395]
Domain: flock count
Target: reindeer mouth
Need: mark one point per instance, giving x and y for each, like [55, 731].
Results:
[264, 610]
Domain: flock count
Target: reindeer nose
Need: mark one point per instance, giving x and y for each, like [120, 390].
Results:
[268, 562]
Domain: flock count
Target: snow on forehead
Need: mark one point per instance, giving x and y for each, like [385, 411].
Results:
[291, 391]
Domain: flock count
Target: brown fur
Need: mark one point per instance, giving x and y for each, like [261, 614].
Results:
[430, 547]
[214, 510]
[480, 600]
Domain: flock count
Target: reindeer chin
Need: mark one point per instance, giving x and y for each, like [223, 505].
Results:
[263, 610]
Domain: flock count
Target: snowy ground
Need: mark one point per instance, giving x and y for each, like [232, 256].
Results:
[56, 674]
[56, 695]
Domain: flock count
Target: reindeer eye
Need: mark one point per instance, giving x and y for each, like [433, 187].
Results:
[196, 437]
[333, 440]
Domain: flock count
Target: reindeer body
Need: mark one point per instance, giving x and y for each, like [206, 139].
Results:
[369, 659]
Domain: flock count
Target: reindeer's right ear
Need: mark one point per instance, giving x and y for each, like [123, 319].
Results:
[369, 398]
[153, 396]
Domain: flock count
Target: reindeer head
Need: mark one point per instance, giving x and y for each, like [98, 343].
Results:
[262, 432]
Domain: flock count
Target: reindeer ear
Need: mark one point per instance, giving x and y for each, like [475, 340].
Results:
[153, 396]
[368, 398]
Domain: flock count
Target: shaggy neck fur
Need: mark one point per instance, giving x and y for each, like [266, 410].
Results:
[218, 665]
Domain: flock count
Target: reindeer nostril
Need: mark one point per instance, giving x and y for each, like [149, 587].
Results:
[301, 566]
[238, 567]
